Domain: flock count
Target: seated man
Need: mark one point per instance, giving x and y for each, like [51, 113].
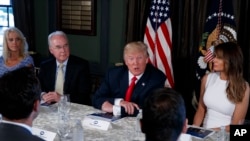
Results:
[19, 104]
[164, 116]
[116, 94]
[74, 73]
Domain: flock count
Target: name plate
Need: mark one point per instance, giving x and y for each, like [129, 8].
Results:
[44, 134]
[96, 123]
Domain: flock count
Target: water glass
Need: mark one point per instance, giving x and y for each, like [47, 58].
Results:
[1, 118]
[64, 104]
[63, 126]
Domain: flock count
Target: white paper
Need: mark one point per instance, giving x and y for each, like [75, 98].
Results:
[44, 134]
[185, 137]
[96, 123]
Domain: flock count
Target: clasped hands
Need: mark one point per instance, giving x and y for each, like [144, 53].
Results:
[51, 97]
[129, 107]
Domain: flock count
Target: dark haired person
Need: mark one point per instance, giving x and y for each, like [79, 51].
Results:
[19, 104]
[164, 116]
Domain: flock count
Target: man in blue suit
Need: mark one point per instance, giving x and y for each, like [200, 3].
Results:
[76, 81]
[19, 104]
[110, 97]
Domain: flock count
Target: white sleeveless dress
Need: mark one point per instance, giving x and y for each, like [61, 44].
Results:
[219, 108]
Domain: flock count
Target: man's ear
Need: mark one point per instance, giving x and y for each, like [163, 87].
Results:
[185, 126]
[50, 50]
[36, 106]
[35, 110]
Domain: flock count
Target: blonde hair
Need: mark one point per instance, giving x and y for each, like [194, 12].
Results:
[24, 45]
[136, 46]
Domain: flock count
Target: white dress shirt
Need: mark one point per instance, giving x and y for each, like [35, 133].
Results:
[116, 106]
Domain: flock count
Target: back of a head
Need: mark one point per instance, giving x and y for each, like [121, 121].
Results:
[164, 115]
[19, 90]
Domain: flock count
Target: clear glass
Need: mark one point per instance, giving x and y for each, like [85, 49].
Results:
[64, 104]
[64, 122]
[222, 134]
[78, 133]
[1, 118]
[63, 126]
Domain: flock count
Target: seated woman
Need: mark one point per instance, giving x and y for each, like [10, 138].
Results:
[15, 51]
[224, 94]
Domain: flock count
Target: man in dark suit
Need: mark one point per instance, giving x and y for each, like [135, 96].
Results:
[110, 97]
[76, 73]
[19, 104]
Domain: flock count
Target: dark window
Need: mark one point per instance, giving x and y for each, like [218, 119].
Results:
[6, 19]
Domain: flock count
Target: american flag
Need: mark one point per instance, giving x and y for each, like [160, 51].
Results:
[158, 37]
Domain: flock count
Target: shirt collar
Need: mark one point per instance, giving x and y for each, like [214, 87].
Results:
[18, 124]
[130, 76]
[64, 63]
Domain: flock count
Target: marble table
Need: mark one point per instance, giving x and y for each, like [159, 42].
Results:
[122, 129]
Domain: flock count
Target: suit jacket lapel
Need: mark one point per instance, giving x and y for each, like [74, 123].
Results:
[67, 75]
[124, 83]
[52, 75]
[141, 84]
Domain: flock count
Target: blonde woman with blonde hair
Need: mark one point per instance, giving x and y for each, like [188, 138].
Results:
[15, 51]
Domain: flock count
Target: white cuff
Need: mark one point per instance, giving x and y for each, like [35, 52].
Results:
[42, 101]
[117, 101]
[116, 110]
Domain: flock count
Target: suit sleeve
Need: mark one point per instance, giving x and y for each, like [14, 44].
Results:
[82, 88]
[110, 88]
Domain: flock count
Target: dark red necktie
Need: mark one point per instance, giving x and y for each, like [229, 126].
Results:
[130, 89]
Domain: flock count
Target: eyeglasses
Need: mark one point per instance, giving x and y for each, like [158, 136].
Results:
[60, 47]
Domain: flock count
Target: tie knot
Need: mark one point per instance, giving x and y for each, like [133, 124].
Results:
[61, 65]
[134, 78]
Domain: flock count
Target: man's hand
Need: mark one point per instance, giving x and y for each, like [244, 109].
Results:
[51, 97]
[107, 107]
[129, 107]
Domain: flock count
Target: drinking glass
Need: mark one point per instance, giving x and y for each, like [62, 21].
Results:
[63, 126]
[64, 104]
[64, 122]
[1, 118]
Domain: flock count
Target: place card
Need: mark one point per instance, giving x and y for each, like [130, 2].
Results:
[44, 134]
[184, 137]
[96, 123]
